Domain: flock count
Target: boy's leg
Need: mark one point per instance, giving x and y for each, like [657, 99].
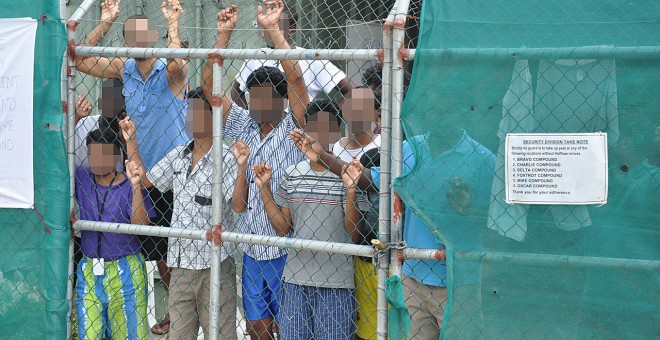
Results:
[261, 288]
[228, 299]
[184, 323]
[127, 297]
[203, 301]
[89, 308]
[295, 317]
[334, 313]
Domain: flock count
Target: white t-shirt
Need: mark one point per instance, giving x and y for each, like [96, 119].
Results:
[347, 155]
[319, 75]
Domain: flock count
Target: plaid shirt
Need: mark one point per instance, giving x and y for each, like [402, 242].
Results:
[276, 150]
[192, 202]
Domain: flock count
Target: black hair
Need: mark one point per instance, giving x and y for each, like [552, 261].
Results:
[325, 105]
[373, 77]
[105, 136]
[371, 158]
[112, 123]
[378, 98]
[132, 17]
[268, 74]
[198, 93]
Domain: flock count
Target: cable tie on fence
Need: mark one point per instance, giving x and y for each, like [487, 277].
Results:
[43, 18]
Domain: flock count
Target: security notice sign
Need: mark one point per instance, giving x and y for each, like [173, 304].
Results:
[17, 38]
[562, 168]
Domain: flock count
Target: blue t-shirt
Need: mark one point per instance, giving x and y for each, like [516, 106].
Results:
[466, 159]
[158, 114]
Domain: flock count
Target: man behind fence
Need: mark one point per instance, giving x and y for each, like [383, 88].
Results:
[187, 171]
[111, 277]
[465, 168]
[264, 128]
[317, 289]
[155, 91]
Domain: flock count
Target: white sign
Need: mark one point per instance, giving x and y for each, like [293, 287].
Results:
[556, 168]
[17, 36]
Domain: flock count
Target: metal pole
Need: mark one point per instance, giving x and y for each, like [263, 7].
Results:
[398, 70]
[217, 196]
[70, 124]
[82, 10]
[584, 52]
[274, 241]
[197, 38]
[202, 53]
[385, 179]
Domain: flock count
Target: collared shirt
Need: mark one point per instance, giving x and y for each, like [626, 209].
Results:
[468, 160]
[158, 114]
[192, 202]
[276, 150]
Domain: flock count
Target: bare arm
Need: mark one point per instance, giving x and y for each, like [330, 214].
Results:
[128, 131]
[280, 217]
[239, 196]
[345, 86]
[177, 68]
[138, 210]
[353, 219]
[226, 23]
[268, 18]
[99, 66]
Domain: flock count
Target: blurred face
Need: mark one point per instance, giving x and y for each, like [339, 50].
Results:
[199, 120]
[284, 28]
[140, 33]
[323, 127]
[103, 158]
[111, 101]
[266, 105]
[358, 110]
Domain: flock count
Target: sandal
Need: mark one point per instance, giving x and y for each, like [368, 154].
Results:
[162, 327]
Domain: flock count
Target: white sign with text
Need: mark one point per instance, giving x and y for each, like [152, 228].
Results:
[556, 168]
[17, 38]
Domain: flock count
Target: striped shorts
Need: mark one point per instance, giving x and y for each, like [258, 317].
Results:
[316, 313]
[114, 304]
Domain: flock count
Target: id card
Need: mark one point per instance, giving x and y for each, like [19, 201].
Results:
[98, 266]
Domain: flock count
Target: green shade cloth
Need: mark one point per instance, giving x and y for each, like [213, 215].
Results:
[398, 318]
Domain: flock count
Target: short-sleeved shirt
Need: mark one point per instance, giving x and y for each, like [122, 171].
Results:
[347, 155]
[107, 204]
[192, 190]
[158, 114]
[319, 75]
[467, 159]
[276, 150]
[317, 201]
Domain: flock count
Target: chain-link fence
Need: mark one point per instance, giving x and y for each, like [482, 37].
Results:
[143, 155]
[148, 126]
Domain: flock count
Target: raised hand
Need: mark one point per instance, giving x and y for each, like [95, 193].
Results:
[262, 174]
[173, 14]
[134, 172]
[83, 107]
[308, 145]
[241, 152]
[127, 128]
[110, 10]
[350, 173]
[227, 19]
[268, 16]
[459, 197]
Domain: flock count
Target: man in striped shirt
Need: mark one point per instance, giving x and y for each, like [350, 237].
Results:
[265, 129]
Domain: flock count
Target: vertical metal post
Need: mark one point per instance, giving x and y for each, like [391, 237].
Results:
[385, 179]
[398, 71]
[70, 124]
[217, 196]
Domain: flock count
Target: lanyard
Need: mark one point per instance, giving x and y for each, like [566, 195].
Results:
[100, 206]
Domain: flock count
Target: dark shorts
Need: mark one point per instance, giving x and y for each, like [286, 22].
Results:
[154, 248]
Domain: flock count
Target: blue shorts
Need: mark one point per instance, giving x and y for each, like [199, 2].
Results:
[316, 313]
[262, 281]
